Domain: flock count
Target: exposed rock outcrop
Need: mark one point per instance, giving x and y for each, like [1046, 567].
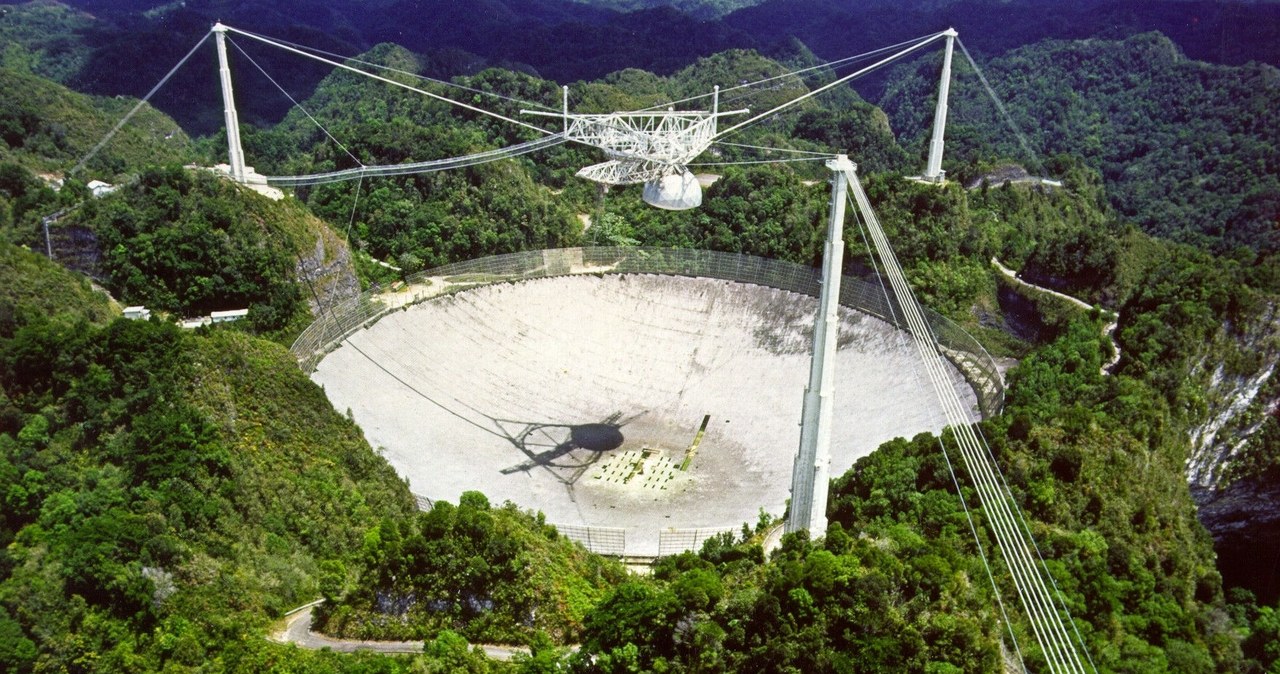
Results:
[327, 271]
[1239, 507]
[1244, 519]
[76, 248]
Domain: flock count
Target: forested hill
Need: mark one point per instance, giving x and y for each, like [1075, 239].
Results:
[46, 127]
[1219, 32]
[167, 492]
[1189, 151]
[567, 40]
[189, 243]
[164, 491]
[699, 9]
[183, 243]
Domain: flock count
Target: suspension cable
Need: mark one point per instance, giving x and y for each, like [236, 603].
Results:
[297, 105]
[391, 81]
[821, 66]
[1008, 119]
[760, 161]
[830, 85]
[364, 170]
[399, 71]
[428, 166]
[824, 155]
[124, 120]
[354, 203]
[1046, 625]
[964, 504]
[1036, 546]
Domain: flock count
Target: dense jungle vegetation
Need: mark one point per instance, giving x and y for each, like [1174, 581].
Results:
[493, 575]
[46, 128]
[1188, 151]
[189, 244]
[167, 494]
[82, 42]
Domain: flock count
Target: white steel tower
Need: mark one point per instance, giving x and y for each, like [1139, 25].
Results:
[234, 151]
[933, 170]
[811, 475]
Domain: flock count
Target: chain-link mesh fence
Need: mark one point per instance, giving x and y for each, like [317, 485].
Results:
[600, 540]
[327, 332]
[676, 541]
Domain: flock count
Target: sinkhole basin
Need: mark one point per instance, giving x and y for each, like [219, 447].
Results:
[632, 409]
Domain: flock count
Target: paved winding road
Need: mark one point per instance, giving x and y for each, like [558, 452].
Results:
[297, 630]
[1109, 329]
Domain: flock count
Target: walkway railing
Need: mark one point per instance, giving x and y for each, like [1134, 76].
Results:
[337, 322]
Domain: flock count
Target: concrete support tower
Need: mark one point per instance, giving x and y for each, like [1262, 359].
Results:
[811, 475]
[933, 171]
[234, 150]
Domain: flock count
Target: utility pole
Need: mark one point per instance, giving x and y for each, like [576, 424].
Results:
[48, 242]
[810, 477]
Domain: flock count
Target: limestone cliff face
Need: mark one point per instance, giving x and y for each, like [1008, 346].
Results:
[1237, 502]
[326, 270]
[1244, 519]
[1235, 372]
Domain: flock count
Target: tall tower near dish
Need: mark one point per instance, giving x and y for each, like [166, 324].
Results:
[235, 153]
[811, 475]
[933, 172]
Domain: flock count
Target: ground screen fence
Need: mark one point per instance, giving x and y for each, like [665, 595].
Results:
[870, 297]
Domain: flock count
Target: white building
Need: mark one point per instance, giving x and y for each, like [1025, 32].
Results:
[228, 316]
